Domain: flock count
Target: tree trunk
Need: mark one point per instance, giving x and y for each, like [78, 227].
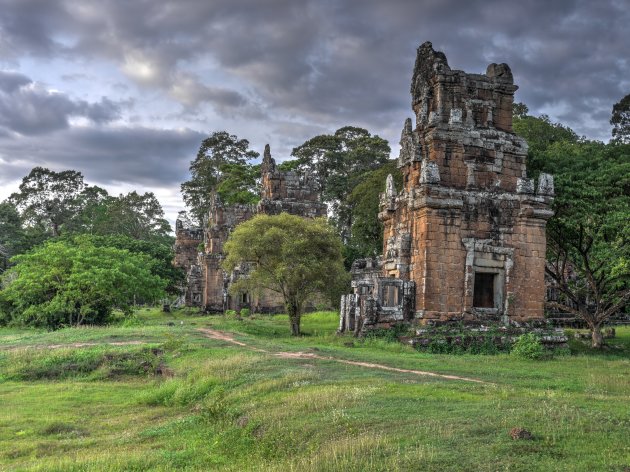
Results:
[295, 312]
[295, 326]
[597, 339]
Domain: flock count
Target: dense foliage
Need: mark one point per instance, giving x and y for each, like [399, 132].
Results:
[588, 239]
[620, 121]
[221, 161]
[366, 231]
[78, 253]
[49, 199]
[75, 282]
[338, 163]
[292, 256]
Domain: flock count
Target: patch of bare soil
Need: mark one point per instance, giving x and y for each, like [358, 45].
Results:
[227, 337]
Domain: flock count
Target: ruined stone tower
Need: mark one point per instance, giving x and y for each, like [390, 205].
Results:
[199, 251]
[464, 239]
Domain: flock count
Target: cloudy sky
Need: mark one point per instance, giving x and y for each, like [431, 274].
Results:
[125, 90]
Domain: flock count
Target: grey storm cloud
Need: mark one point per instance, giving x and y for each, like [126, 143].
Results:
[29, 108]
[106, 155]
[339, 61]
[300, 67]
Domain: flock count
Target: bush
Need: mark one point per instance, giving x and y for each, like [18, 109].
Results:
[245, 312]
[230, 314]
[528, 346]
[72, 283]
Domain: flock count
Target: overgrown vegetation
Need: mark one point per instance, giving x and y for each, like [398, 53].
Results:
[528, 346]
[87, 363]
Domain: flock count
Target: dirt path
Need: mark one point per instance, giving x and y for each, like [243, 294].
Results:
[227, 337]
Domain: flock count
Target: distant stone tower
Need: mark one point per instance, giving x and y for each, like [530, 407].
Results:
[200, 251]
[464, 239]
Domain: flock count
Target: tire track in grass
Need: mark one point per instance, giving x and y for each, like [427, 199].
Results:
[229, 338]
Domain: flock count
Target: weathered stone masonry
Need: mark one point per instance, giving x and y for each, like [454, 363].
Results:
[464, 239]
[207, 284]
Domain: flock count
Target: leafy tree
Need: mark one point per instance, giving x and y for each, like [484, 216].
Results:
[209, 168]
[290, 255]
[338, 163]
[91, 208]
[11, 233]
[367, 231]
[70, 283]
[540, 133]
[240, 183]
[138, 216]
[620, 121]
[14, 237]
[519, 110]
[160, 254]
[588, 240]
[49, 199]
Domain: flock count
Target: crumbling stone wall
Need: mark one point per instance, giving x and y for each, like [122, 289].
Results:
[207, 283]
[222, 219]
[468, 226]
[187, 243]
[288, 192]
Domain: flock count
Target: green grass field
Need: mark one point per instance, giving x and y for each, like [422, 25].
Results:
[158, 394]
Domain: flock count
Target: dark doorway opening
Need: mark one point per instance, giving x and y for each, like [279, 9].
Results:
[483, 296]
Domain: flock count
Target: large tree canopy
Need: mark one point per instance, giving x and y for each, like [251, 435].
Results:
[219, 154]
[540, 133]
[589, 235]
[49, 199]
[12, 235]
[588, 239]
[366, 235]
[290, 255]
[74, 282]
[138, 216]
[338, 163]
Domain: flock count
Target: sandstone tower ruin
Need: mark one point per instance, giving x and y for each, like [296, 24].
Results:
[199, 251]
[464, 239]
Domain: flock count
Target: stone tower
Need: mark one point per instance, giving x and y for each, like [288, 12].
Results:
[199, 251]
[466, 233]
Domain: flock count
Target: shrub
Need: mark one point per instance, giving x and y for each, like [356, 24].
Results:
[528, 346]
[72, 283]
[230, 314]
[246, 312]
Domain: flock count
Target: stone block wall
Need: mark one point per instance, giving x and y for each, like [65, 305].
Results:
[288, 192]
